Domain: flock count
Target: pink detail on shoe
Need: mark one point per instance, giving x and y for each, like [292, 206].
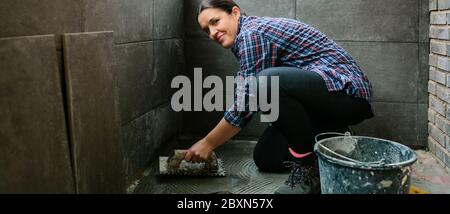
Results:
[297, 155]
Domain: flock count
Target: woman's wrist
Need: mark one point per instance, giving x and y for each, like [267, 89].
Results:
[220, 134]
[209, 143]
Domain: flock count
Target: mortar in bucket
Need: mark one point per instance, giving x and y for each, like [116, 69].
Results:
[363, 165]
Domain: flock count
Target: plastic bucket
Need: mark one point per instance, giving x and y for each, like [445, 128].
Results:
[363, 165]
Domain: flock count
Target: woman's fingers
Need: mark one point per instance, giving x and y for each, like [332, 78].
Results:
[189, 155]
[200, 159]
[196, 156]
[192, 156]
[195, 159]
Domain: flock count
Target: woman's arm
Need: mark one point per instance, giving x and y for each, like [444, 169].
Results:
[201, 150]
[256, 52]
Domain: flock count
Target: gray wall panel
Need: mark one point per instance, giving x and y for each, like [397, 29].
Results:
[34, 146]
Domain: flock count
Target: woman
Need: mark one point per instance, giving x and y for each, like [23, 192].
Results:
[321, 89]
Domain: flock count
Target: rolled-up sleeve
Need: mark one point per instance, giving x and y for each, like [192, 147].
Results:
[255, 54]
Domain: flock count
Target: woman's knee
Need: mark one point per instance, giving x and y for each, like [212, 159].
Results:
[265, 164]
[270, 152]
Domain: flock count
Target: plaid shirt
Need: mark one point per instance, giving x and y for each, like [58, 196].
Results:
[264, 42]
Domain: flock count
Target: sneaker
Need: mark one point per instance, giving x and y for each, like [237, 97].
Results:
[304, 179]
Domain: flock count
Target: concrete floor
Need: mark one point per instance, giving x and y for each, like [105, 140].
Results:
[243, 176]
[429, 176]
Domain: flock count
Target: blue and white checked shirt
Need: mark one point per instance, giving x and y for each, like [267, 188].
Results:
[264, 42]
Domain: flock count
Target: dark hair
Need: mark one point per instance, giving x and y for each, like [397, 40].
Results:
[225, 5]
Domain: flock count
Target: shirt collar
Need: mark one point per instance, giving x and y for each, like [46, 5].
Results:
[241, 21]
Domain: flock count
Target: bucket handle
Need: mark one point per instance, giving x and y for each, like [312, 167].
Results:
[347, 134]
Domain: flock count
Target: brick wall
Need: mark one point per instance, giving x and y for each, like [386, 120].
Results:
[439, 81]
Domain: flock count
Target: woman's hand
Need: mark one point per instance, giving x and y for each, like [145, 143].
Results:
[199, 152]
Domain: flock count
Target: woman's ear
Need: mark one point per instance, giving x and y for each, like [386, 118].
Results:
[236, 12]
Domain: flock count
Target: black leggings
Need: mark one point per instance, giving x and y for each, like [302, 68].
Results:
[307, 108]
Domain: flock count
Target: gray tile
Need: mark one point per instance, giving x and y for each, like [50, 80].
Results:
[443, 63]
[145, 74]
[440, 153]
[131, 20]
[439, 32]
[101, 15]
[438, 18]
[392, 68]
[363, 20]
[214, 59]
[135, 63]
[437, 105]
[168, 19]
[433, 4]
[169, 62]
[447, 143]
[424, 21]
[38, 17]
[392, 121]
[433, 60]
[422, 89]
[135, 21]
[93, 112]
[34, 143]
[432, 145]
[446, 162]
[438, 76]
[443, 93]
[199, 124]
[438, 47]
[145, 135]
[443, 4]
[169, 57]
[191, 26]
[422, 124]
[278, 8]
[431, 116]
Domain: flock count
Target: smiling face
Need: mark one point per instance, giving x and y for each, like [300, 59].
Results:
[220, 26]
